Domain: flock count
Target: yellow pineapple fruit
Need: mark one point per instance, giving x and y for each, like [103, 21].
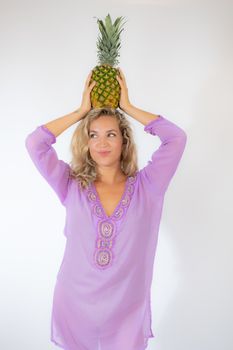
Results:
[106, 92]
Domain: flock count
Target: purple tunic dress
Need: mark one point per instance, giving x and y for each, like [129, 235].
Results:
[102, 291]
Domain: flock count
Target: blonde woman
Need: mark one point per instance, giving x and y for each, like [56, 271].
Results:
[113, 213]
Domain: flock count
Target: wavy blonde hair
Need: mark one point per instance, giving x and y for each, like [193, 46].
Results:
[83, 167]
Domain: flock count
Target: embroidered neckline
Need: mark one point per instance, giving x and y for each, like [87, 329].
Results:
[107, 226]
[119, 203]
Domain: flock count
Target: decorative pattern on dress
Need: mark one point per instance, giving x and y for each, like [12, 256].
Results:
[107, 225]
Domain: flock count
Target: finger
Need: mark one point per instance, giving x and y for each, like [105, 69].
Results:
[118, 71]
[122, 82]
[89, 76]
[88, 79]
[122, 74]
[119, 79]
[118, 75]
[123, 77]
[92, 85]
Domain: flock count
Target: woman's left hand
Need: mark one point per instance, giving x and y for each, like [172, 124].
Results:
[124, 98]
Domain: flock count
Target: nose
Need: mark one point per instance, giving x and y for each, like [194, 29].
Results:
[103, 142]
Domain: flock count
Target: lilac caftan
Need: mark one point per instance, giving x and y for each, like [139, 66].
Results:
[102, 292]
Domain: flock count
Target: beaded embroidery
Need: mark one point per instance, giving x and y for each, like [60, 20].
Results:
[107, 225]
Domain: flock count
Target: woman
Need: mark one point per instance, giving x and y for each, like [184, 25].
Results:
[113, 213]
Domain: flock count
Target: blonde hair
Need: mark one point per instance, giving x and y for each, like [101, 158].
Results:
[83, 167]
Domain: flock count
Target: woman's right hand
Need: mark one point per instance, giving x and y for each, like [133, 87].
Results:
[86, 100]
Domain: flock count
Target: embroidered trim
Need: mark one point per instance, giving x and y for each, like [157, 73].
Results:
[107, 225]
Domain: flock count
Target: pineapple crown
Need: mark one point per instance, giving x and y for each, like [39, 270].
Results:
[108, 44]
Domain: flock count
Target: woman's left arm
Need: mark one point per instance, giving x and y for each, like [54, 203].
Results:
[157, 174]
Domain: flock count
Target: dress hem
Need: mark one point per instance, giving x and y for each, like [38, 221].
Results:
[146, 340]
[58, 344]
[143, 347]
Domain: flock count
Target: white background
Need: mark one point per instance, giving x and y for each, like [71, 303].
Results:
[177, 57]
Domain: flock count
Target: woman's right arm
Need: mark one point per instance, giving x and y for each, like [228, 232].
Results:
[40, 149]
[57, 126]
[39, 146]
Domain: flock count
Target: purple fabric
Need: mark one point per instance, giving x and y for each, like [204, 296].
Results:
[103, 286]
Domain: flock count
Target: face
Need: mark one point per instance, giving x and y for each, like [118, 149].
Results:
[105, 136]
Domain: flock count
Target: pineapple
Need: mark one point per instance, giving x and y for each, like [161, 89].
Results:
[106, 92]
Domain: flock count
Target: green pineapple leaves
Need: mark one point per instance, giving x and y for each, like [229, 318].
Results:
[108, 44]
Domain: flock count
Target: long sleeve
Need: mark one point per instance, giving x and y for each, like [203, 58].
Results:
[158, 172]
[55, 171]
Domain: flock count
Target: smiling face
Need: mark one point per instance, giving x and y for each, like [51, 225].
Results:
[105, 136]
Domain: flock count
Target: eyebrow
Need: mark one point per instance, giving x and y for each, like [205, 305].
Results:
[106, 131]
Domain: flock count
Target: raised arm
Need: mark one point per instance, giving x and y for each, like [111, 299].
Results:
[55, 171]
[39, 145]
[158, 172]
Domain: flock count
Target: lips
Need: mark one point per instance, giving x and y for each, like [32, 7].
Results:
[104, 153]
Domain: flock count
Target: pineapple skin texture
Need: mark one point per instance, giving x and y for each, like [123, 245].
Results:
[106, 92]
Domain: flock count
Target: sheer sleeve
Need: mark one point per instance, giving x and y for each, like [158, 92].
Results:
[55, 171]
[158, 172]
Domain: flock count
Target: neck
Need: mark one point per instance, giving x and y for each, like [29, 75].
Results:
[110, 176]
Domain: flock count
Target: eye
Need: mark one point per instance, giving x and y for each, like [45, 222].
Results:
[111, 133]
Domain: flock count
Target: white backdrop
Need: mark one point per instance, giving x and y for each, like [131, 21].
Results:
[177, 57]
